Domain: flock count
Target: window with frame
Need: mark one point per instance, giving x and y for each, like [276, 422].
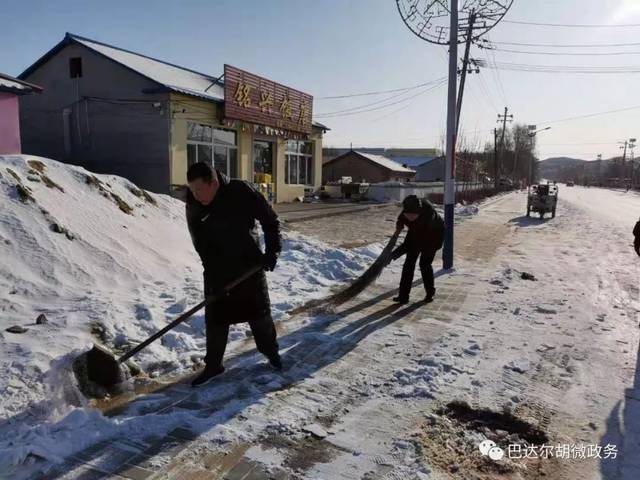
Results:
[298, 163]
[215, 146]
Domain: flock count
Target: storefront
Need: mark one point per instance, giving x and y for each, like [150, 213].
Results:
[261, 132]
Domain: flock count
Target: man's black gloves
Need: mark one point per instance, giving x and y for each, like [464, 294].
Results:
[269, 261]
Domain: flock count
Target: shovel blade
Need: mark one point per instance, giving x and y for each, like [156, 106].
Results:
[103, 368]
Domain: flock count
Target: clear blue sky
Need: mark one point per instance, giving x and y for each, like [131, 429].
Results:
[334, 47]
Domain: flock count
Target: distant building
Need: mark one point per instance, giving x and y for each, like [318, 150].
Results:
[431, 171]
[365, 167]
[411, 158]
[10, 89]
[116, 111]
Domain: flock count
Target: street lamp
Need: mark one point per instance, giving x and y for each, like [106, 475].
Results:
[532, 133]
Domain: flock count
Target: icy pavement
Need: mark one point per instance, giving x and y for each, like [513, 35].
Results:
[532, 340]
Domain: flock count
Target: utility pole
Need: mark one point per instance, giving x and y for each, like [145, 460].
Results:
[429, 21]
[465, 66]
[450, 168]
[496, 166]
[504, 119]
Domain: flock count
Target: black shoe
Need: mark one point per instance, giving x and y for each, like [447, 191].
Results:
[276, 362]
[206, 375]
[430, 295]
[400, 300]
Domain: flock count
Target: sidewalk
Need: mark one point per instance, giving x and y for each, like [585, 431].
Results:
[362, 319]
[335, 360]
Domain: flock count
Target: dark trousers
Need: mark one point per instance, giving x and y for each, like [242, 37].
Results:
[264, 334]
[426, 258]
[636, 245]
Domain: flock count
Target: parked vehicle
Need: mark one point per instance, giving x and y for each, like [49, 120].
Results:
[570, 184]
[542, 198]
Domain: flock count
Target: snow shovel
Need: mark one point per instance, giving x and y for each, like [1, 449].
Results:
[103, 367]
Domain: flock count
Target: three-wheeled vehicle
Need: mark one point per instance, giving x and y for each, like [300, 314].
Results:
[542, 198]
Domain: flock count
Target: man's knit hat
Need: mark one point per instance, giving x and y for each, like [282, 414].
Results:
[411, 204]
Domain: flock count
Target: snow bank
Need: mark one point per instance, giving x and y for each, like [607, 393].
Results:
[104, 260]
[466, 210]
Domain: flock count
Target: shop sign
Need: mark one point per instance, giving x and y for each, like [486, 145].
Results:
[251, 98]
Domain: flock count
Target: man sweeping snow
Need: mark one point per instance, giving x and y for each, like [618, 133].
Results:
[221, 215]
[424, 239]
[636, 239]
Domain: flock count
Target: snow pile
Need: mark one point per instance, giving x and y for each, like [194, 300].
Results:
[104, 260]
[466, 210]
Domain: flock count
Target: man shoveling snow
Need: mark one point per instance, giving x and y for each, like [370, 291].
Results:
[424, 239]
[221, 215]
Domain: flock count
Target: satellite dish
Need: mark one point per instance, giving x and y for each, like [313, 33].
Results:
[429, 19]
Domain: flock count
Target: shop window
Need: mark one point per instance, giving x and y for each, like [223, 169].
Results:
[192, 154]
[199, 133]
[216, 147]
[299, 163]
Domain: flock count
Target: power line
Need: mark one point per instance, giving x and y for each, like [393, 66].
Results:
[498, 81]
[507, 50]
[588, 115]
[568, 45]
[380, 92]
[489, 95]
[562, 68]
[377, 102]
[573, 25]
[336, 114]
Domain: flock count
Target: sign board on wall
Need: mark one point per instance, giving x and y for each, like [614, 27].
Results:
[254, 99]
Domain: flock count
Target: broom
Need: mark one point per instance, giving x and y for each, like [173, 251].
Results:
[358, 285]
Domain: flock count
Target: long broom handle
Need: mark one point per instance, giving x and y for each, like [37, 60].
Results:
[187, 314]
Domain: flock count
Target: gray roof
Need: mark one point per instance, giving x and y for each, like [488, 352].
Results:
[178, 79]
[166, 75]
[14, 85]
[386, 162]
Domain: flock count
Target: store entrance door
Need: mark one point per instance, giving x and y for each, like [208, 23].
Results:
[263, 171]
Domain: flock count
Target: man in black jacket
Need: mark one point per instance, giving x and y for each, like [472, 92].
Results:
[221, 216]
[424, 239]
[636, 237]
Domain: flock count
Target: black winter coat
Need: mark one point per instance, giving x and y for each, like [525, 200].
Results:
[224, 235]
[425, 233]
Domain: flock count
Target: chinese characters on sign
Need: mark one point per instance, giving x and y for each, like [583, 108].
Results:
[257, 100]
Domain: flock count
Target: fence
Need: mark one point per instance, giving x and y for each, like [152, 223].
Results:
[434, 191]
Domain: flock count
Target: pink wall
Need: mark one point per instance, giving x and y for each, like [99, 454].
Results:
[9, 124]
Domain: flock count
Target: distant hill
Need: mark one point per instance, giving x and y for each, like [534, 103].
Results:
[566, 168]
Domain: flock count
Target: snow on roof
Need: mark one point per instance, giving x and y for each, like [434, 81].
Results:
[11, 84]
[386, 162]
[412, 161]
[172, 76]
